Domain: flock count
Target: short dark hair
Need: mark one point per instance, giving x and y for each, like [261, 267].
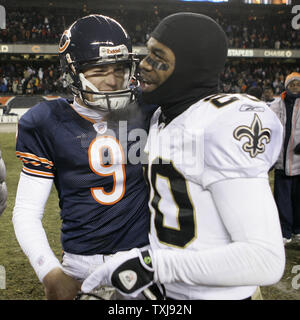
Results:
[268, 88]
[255, 91]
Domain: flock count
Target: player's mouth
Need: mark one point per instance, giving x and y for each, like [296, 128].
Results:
[294, 91]
[147, 85]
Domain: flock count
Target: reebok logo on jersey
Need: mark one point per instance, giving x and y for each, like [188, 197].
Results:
[256, 134]
[247, 107]
[128, 278]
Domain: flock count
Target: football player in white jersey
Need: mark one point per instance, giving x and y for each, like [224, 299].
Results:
[215, 232]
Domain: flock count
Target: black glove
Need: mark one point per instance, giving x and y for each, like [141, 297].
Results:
[131, 273]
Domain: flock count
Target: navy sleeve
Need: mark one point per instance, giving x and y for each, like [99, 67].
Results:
[32, 145]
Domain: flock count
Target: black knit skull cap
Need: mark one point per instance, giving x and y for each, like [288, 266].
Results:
[200, 48]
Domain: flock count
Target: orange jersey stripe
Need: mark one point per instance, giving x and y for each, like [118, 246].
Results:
[34, 157]
[34, 163]
[40, 173]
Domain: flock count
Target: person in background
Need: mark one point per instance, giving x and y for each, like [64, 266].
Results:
[255, 92]
[287, 168]
[268, 95]
[3, 187]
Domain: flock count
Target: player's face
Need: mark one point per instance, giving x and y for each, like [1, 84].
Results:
[294, 87]
[108, 77]
[268, 94]
[158, 65]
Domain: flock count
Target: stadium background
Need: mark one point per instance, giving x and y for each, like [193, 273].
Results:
[263, 49]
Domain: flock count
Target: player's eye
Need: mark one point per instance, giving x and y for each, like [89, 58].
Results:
[158, 65]
[103, 70]
[119, 70]
[156, 56]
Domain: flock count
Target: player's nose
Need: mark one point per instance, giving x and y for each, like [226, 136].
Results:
[111, 80]
[145, 65]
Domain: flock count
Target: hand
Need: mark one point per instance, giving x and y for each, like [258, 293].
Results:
[60, 286]
[130, 273]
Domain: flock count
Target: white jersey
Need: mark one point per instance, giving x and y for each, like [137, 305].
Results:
[224, 136]
[276, 99]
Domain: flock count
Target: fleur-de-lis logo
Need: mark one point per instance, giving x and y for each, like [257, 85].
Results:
[256, 134]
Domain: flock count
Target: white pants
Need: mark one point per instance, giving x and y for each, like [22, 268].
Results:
[80, 267]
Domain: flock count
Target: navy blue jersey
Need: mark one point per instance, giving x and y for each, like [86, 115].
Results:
[102, 194]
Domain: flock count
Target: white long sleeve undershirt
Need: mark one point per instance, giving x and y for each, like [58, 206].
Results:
[32, 195]
[254, 257]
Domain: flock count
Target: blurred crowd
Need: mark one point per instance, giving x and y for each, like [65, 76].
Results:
[18, 79]
[244, 30]
[31, 27]
[238, 77]
[261, 34]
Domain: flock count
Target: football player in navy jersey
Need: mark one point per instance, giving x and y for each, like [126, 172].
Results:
[90, 148]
